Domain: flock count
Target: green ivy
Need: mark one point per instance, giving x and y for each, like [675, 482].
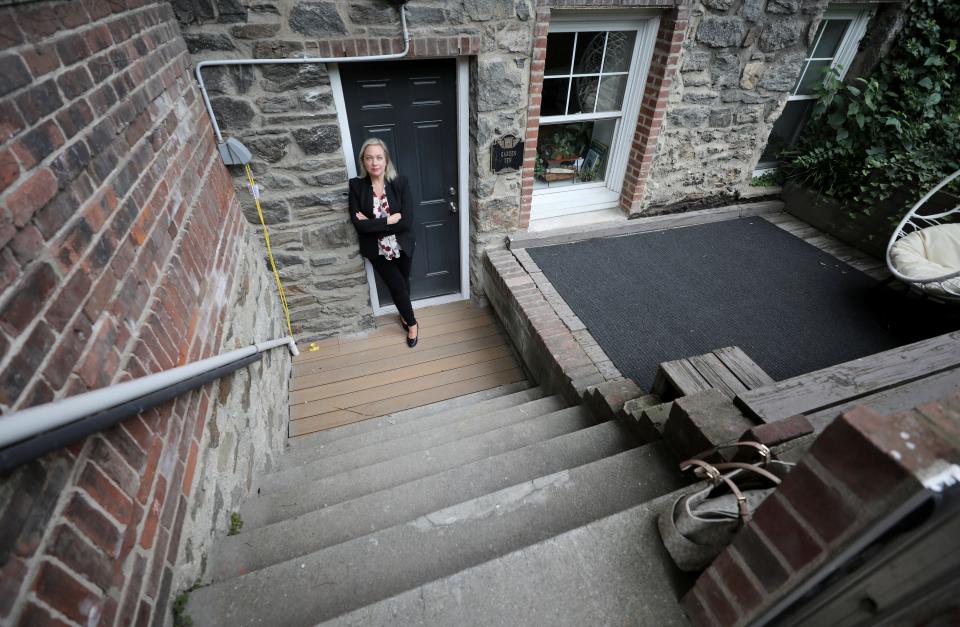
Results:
[896, 130]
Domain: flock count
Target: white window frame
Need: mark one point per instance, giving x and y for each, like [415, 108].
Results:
[846, 51]
[594, 196]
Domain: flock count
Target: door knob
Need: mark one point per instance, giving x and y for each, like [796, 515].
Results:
[453, 192]
[453, 207]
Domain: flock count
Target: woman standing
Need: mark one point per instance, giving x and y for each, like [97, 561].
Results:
[381, 209]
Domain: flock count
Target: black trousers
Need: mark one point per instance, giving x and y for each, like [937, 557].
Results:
[396, 274]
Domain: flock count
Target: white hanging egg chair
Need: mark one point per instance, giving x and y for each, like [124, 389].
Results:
[924, 252]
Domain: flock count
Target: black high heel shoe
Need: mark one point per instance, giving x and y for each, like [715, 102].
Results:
[412, 341]
[404, 325]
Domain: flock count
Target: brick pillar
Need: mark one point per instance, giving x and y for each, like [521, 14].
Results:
[540, 30]
[653, 107]
[862, 468]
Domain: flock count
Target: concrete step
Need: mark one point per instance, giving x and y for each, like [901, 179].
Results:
[258, 548]
[356, 428]
[613, 571]
[344, 577]
[329, 465]
[388, 427]
[306, 496]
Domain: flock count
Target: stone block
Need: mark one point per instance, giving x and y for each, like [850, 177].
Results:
[650, 421]
[752, 10]
[504, 85]
[701, 421]
[696, 61]
[317, 19]
[271, 148]
[232, 113]
[202, 42]
[719, 5]
[779, 35]
[318, 139]
[721, 32]
[254, 31]
[607, 399]
[783, 7]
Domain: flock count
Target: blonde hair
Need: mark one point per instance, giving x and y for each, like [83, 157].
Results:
[389, 172]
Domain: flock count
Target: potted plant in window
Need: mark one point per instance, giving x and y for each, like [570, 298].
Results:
[561, 150]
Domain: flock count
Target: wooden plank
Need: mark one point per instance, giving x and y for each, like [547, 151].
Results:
[392, 325]
[310, 347]
[399, 374]
[381, 354]
[403, 360]
[745, 369]
[678, 377]
[427, 312]
[841, 384]
[399, 403]
[897, 399]
[362, 397]
[386, 340]
[717, 375]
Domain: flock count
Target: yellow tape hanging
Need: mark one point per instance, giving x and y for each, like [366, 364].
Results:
[266, 236]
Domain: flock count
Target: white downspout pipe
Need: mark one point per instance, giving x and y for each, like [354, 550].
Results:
[34, 420]
[375, 57]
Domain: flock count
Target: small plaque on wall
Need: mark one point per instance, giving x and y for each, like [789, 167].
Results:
[506, 154]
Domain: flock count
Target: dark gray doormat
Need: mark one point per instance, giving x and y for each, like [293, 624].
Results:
[655, 297]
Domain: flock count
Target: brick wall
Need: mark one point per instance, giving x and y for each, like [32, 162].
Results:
[653, 107]
[862, 467]
[120, 235]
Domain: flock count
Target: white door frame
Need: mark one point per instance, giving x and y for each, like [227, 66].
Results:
[463, 196]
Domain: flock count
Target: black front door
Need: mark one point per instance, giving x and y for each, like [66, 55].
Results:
[412, 107]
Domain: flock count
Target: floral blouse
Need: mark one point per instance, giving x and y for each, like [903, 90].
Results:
[388, 247]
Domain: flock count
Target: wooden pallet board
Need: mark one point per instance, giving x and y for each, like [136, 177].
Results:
[840, 385]
[462, 350]
[727, 369]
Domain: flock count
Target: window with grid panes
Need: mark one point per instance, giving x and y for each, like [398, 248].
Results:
[834, 45]
[585, 78]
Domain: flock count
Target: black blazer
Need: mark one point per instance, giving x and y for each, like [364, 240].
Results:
[400, 200]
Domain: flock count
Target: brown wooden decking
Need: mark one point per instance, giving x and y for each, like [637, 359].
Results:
[832, 246]
[462, 349]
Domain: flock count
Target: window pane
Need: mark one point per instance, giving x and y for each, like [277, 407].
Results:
[610, 95]
[787, 128]
[589, 53]
[830, 39]
[559, 53]
[584, 94]
[811, 77]
[619, 51]
[554, 99]
[574, 153]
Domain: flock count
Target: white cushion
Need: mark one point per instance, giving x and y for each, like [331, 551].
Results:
[929, 253]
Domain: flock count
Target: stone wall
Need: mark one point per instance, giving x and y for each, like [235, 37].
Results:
[740, 59]
[286, 115]
[125, 253]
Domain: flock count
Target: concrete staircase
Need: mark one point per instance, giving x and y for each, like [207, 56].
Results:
[501, 507]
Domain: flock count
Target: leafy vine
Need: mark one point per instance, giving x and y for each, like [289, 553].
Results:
[894, 132]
